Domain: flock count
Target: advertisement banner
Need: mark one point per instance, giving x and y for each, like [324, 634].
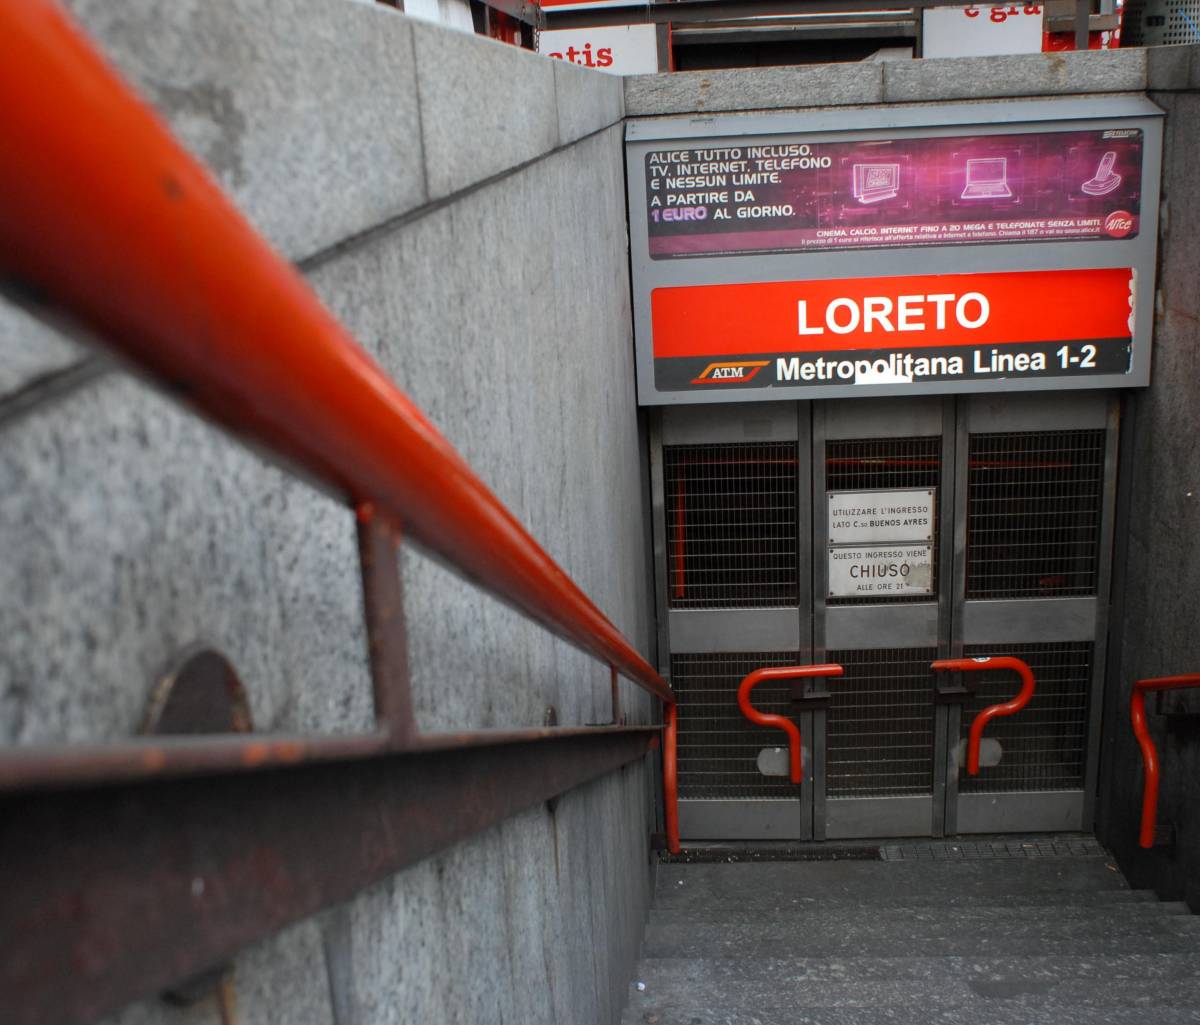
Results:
[893, 330]
[797, 196]
[928, 249]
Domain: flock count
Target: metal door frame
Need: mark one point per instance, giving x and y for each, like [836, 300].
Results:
[951, 622]
[887, 625]
[718, 631]
[1065, 620]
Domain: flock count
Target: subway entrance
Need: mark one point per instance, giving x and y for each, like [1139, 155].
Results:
[884, 535]
[882, 351]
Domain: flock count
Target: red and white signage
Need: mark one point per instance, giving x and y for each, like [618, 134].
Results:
[909, 312]
[980, 31]
[987, 247]
[617, 49]
[894, 330]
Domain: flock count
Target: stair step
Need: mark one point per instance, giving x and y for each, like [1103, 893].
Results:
[931, 983]
[868, 881]
[986, 1012]
[1021, 941]
[850, 918]
[671, 894]
[865, 934]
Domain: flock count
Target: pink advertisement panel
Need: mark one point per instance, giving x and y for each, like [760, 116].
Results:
[802, 197]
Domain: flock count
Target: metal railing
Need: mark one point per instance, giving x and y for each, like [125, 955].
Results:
[107, 221]
[265, 359]
[979, 723]
[1137, 717]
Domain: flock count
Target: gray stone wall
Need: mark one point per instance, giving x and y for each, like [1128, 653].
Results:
[1158, 572]
[460, 206]
[917, 81]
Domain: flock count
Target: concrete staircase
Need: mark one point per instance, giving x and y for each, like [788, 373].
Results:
[1020, 940]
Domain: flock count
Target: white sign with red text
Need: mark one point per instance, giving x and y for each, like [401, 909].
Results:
[979, 31]
[617, 49]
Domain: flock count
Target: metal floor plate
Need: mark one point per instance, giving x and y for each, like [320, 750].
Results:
[1013, 847]
[1007, 848]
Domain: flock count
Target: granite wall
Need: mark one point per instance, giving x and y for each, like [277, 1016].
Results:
[1157, 586]
[459, 205]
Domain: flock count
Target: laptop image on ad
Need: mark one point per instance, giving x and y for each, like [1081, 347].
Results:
[873, 182]
[987, 178]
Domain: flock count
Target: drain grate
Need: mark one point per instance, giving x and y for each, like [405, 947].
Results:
[991, 850]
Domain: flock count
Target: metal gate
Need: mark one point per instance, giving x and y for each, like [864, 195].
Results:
[1014, 562]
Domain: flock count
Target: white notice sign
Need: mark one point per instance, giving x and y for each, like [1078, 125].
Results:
[861, 517]
[981, 31]
[880, 571]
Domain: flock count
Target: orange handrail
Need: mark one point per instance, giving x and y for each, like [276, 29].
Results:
[795, 754]
[973, 665]
[106, 219]
[671, 777]
[1137, 716]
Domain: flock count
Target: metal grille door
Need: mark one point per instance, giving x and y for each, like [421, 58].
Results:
[1043, 748]
[731, 526]
[882, 464]
[1036, 508]
[718, 749]
[1033, 514]
[733, 587]
[876, 771]
[880, 725]
[777, 532]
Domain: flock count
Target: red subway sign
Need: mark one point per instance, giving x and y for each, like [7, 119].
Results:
[893, 330]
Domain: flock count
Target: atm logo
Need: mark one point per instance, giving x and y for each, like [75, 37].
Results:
[727, 373]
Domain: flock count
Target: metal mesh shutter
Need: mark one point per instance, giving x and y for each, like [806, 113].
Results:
[1160, 22]
[1182, 18]
[731, 525]
[879, 728]
[718, 749]
[1045, 743]
[880, 464]
[1033, 513]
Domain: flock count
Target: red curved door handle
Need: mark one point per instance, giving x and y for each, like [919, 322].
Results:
[796, 759]
[979, 665]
